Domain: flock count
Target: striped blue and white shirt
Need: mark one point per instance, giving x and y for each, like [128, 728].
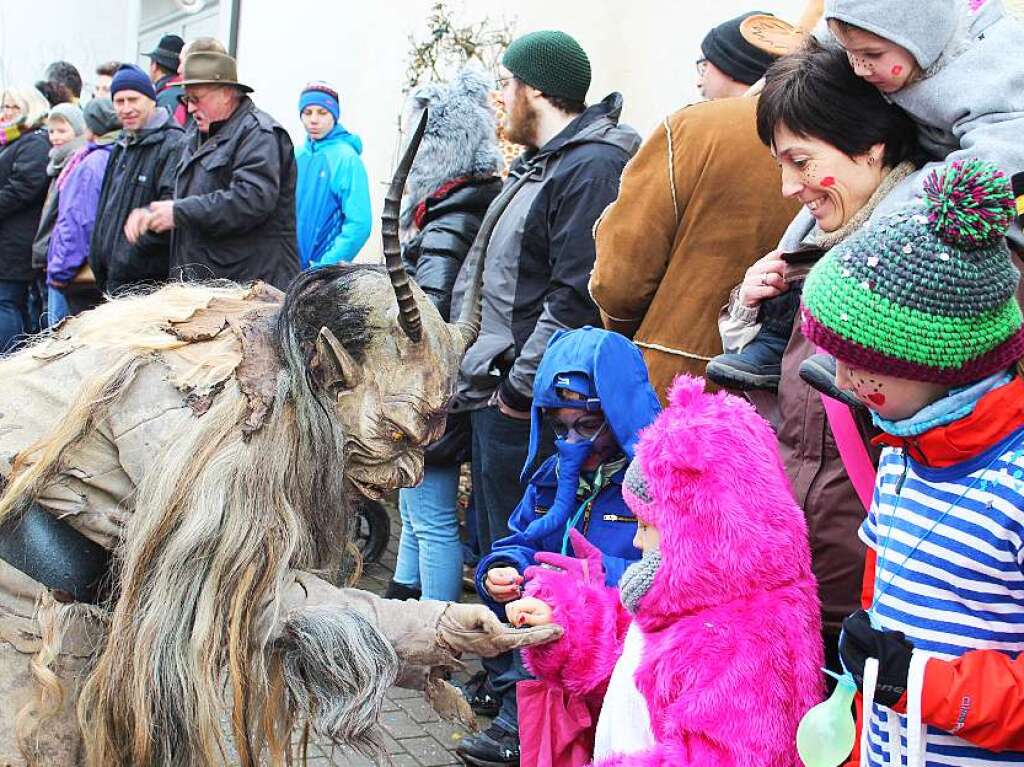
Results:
[951, 583]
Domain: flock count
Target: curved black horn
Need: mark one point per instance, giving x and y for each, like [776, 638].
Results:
[408, 311]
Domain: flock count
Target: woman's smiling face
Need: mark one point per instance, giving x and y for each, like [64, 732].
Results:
[832, 185]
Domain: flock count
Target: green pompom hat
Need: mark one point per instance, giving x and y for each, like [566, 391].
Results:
[552, 62]
[928, 293]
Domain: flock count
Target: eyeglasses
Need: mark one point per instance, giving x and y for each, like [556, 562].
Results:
[702, 66]
[586, 425]
[194, 98]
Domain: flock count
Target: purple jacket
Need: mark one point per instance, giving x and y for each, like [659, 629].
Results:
[76, 214]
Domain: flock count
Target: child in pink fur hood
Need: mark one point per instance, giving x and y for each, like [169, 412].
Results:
[709, 652]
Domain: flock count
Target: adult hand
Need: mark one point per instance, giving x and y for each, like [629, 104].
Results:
[161, 216]
[859, 641]
[136, 224]
[528, 611]
[475, 629]
[503, 584]
[511, 412]
[763, 280]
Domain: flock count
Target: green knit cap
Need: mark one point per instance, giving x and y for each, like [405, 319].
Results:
[552, 62]
[928, 293]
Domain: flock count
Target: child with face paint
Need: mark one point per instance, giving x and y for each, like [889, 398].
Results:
[919, 310]
[945, 62]
[709, 651]
[592, 387]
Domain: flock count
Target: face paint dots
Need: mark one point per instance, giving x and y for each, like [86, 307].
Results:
[896, 70]
[828, 181]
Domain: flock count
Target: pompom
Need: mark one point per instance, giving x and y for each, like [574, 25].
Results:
[969, 203]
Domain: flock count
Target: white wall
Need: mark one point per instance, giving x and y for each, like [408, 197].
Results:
[34, 33]
[644, 48]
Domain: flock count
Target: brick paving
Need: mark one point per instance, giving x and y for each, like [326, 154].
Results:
[414, 734]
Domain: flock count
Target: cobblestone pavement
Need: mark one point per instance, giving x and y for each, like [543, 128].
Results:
[414, 735]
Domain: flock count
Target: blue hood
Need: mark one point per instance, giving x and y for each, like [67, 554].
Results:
[616, 368]
[338, 134]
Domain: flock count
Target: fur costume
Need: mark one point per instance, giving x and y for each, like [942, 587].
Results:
[210, 437]
[730, 622]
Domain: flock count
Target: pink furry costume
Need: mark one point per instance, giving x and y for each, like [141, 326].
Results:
[725, 616]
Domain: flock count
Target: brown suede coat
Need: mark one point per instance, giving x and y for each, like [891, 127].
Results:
[698, 204]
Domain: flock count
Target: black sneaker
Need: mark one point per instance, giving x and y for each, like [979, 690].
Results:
[479, 695]
[819, 372]
[494, 747]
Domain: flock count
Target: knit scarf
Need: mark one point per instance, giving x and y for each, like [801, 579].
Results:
[637, 580]
[828, 240]
[59, 155]
[76, 159]
[11, 133]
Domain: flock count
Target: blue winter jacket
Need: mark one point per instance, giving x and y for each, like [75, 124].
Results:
[617, 370]
[606, 522]
[332, 199]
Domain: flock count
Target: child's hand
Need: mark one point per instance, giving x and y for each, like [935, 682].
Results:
[503, 584]
[528, 611]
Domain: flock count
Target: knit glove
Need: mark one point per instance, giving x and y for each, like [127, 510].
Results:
[859, 641]
[586, 567]
[475, 629]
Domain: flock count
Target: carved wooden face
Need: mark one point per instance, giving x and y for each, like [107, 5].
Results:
[394, 403]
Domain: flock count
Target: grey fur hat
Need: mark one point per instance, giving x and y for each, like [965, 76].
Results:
[460, 138]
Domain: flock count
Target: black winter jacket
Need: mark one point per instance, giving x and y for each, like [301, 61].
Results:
[234, 209]
[449, 225]
[141, 169]
[540, 255]
[23, 185]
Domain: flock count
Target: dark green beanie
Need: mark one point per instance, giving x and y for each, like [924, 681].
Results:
[552, 62]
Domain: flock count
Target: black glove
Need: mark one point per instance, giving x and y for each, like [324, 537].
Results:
[859, 641]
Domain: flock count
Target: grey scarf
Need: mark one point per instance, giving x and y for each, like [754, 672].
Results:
[59, 155]
[637, 579]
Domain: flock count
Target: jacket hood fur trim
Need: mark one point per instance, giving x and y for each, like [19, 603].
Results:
[460, 138]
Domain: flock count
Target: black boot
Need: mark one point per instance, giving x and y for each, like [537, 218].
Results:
[480, 696]
[819, 371]
[758, 366]
[401, 591]
[494, 747]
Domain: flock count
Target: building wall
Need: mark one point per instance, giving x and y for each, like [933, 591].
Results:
[646, 49]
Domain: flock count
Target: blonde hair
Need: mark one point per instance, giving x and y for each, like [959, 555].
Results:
[34, 106]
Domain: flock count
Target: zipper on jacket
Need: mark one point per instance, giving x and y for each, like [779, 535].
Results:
[586, 517]
[617, 518]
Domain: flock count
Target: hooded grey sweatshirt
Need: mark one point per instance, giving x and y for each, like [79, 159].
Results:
[970, 100]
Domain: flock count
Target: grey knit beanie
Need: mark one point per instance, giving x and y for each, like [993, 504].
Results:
[100, 116]
[552, 62]
[72, 115]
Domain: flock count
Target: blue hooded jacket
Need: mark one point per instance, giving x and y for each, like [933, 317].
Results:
[332, 199]
[616, 369]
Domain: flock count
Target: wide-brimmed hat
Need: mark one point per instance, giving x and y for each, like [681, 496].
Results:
[212, 68]
[167, 52]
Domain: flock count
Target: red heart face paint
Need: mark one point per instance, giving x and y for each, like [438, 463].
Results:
[877, 398]
[896, 70]
[828, 181]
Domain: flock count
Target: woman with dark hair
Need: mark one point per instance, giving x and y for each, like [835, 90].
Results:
[841, 147]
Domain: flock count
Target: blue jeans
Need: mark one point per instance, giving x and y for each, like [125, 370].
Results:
[504, 672]
[56, 306]
[14, 318]
[429, 551]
